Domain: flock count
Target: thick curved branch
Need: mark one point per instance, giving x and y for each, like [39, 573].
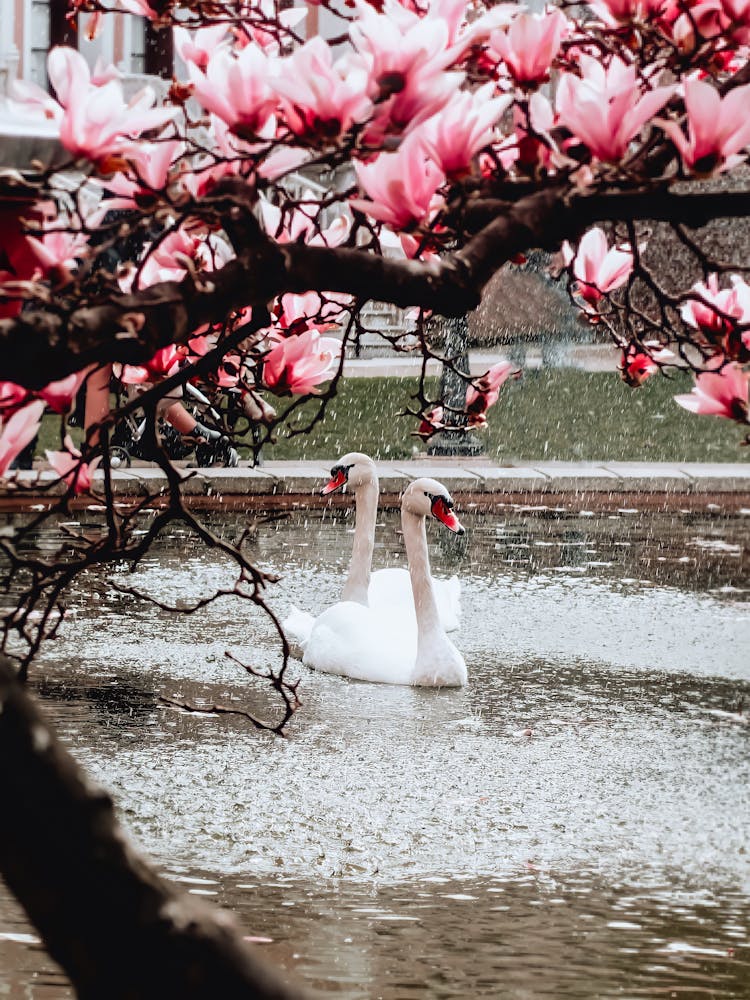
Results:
[691, 209]
[116, 928]
[40, 346]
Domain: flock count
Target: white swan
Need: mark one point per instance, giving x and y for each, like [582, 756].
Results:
[381, 644]
[386, 588]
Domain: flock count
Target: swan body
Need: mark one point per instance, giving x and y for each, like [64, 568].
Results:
[391, 588]
[386, 588]
[381, 644]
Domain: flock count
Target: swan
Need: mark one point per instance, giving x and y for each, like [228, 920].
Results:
[381, 644]
[386, 588]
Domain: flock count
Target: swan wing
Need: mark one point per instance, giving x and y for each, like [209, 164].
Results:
[391, 588]
[448, 599]
[297, 627]
[351, 640]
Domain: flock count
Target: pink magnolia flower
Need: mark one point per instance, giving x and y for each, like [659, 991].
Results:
[430, 424]
[398, 42]
[597, 267]
[310, 309]
[165, 260]
[151, 162]
[298, 225]
[60, 395]
[321, 100]
[12, 397]
[531, 147]
[718, 128]
[228, 373]
[483, 392]
[57, 251]
[617, 12]
[148, 166]
[301, 362]
[69, 467]
[93, 117]
[282, 161]
[141, 7]
[402, 185]
[690, 22]
[530, 44]
[604, 107]
[201, 344]
[199, 46]
[737, 16]
[163, 364]
[456, 134]
[229, 155]
[18, 431]
[720, 394]
[266, 12]
[18, 262]
[93, 26]
[237, 88]
[705, 312]
[405, 56]
[638, 365]
[96, 119]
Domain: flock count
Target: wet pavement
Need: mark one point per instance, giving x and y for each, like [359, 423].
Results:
[572, 824]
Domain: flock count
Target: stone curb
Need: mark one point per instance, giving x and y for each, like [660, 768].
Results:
[473, 476]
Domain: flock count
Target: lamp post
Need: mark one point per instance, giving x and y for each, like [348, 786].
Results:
[454, 439]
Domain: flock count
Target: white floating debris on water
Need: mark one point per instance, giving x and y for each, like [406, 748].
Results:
[683, 948]
[716, 545]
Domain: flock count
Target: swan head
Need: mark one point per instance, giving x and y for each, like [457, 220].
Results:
[429, 498]
[353, 469]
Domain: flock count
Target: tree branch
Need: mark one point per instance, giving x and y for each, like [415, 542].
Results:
[116, 928]
[41, 346]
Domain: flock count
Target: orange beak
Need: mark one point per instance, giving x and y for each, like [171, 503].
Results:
[443, 513]
[336, 483]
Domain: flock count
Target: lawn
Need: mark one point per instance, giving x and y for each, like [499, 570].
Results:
[549, 414]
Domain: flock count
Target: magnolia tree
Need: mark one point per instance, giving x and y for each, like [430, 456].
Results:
[229, 234]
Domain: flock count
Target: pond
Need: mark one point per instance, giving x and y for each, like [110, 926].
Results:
[572, 824]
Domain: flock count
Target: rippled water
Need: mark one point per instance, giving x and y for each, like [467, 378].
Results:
[573, 824]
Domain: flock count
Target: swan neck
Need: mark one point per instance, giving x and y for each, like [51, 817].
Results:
[366, 514]
[425, 605]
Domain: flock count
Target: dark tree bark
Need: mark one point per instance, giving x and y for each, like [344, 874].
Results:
[114, 926]
[42, 345]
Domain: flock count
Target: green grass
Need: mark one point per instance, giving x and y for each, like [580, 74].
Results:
[551, 414]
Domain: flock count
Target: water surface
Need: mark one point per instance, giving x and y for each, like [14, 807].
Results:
[573, 824]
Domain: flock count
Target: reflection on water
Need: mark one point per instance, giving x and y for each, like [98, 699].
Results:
[573, 824]
[536, 934]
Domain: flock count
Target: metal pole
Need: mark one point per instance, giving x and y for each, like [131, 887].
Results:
[454, 440]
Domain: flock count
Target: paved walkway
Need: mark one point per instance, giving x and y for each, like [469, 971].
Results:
[586, 357]
[460, 476]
